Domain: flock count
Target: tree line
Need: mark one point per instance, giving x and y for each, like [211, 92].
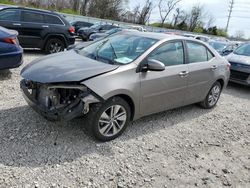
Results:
[171, 14]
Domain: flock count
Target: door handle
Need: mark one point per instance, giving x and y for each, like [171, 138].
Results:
[183, 74]
[17, 24]
[45, 26]
[214, 67]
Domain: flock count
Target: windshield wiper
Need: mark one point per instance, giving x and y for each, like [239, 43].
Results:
[113, 50]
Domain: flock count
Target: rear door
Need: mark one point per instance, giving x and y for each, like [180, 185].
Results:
[32, 29]
[202, 66]
[166, 89]
[10, 18]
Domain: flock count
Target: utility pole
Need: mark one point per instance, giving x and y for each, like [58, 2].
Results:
[230, 10]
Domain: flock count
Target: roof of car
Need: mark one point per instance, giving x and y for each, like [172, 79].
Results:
[33, 9]
[158, 36]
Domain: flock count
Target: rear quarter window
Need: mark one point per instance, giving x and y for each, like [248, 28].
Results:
[50, 19]
[198, 52]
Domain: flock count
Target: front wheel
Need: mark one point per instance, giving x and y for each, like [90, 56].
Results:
[108, 121]
[212, 96]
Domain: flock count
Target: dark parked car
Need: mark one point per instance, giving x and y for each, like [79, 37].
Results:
[96, 36]
[80, 24]
[10, 51]
[240, 65]
[124, 77]
[84, 33]
[45, 30]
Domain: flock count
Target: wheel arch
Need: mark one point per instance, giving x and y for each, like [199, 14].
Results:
[52, 36]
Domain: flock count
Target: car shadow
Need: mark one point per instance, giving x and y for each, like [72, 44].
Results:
[5, 74]
[238, 91]
[27, 139]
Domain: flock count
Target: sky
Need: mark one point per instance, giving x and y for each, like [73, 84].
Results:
[218, 8]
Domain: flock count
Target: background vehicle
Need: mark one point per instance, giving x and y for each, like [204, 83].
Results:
[223, 48]
[124, 77]
[95, 36]
[80, 24]
[84, 33]
[10, 51]
[45, 30]
[240, 65]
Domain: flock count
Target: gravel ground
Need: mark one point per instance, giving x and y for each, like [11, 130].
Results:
[185, 147]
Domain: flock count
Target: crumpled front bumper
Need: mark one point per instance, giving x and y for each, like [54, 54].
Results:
[71, 111]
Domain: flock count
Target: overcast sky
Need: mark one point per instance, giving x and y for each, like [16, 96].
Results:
[218, 8]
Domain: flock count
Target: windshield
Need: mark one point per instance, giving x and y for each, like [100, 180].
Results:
[243, 50]
[95, 26]
[219, 46]
[112, 31]
[118, 49]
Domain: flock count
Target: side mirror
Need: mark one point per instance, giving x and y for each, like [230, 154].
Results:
[153, 65]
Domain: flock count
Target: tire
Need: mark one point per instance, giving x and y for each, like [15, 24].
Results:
[212, 96]
[102, 125]
[54, 45]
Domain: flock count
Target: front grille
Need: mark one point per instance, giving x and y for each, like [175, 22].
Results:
[239, 75]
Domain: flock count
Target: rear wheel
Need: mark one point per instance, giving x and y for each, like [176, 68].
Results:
[108, 121]
[212, 96]
[54, 45]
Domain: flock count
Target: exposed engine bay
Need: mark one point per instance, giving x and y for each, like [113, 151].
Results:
[59, 101]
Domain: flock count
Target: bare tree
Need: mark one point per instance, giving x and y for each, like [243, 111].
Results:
[145, 12]
[239, 34]
[165, 8]
[210, 21]
[195, 17]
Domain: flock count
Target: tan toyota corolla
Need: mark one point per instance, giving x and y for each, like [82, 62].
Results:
[124, 77]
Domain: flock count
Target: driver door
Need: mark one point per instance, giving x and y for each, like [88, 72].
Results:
[166, 89]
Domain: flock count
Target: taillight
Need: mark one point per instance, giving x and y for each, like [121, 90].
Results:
[10, 40]
[72, 30]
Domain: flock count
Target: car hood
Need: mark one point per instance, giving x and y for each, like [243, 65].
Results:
[238, 59]
[64, 67]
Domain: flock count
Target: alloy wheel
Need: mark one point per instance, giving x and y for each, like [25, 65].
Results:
[112, 120]
[214, 95]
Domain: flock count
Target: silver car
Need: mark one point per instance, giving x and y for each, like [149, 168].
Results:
[124, 77]
[240, 65]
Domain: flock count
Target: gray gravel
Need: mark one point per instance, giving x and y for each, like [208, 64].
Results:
[185, 147]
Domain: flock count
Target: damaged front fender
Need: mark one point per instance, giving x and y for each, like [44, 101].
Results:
[58, 102]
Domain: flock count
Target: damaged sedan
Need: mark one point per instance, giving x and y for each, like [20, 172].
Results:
[122, 78]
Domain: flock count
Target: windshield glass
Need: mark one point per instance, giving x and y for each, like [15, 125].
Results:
[243, 50]
[112, 31]
[95, 26]
[218, 45]
[118, 49]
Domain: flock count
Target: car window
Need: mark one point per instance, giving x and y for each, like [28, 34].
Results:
[171, 53]
[9, 15]
[120, 48]
[28, 16]
[209, 55]
[53, 20]
[197, 52]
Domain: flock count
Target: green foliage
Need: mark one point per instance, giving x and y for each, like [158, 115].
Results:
[69, 11]
[199, 29]
[8, 2]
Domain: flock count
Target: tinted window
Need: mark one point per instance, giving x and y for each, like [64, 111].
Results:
[197, 52]
[32, 17]
[169, 54]
[9, 15]
[53, 19]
